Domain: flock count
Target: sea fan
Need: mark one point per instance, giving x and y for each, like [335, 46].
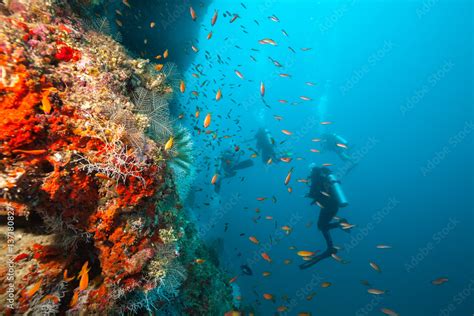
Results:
[100, 25]
[171, 73]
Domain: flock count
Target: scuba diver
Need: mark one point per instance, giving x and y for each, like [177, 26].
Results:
[229, 163]
[340, 146]
[265, 145]
[327, 193]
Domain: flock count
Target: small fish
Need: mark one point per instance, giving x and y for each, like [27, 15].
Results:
[254, 240]
[388, 311]
[34, 288]
[74, 299]
[313, 150]
[207, 120]
[288, 176]
[266, 257]
[325, 123]
[29, 152]
[182, 86]
[84, 281]
[376, 291]
[66, 278]
[266, 273]
[268, 296]
[261, 199]
[439, 281]
[305, 98]
[233, 279]
[159, 67]
[278, 117]
[165, 54]
[287, 261]
[50, 297]
[214, 179]
[199, 261]
[284, 33]
[169, 143]
[194, 48]
[310, 296]
[45, 103]
[286, 132]
[152, 24]
[282, 308]
[383, 247]
[268, 41]
[341, 145]
[126, 3]
[326, 284]
[286, 159]
[274, 18]
[375, 267]
[304, 253]
[192, 13]
[209, 35]
[119, 23]
[262, 89]
[214, 17]
[239, 74]
[218, 94]
[234, 18]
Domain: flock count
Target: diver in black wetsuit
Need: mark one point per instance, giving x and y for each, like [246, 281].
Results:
[229, 163]
[265, 145]
[327, 193]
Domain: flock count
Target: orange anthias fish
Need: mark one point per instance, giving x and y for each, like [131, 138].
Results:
[266, 256]
[218, 94]
[66, 278]
[165, 54]
[304, 253]
[74, 299]
[182, 86]
[193, 13]
[286, 132]
[34, 288]
[288, 177]
[199, 261]
[262, 89]
[214, 179]
[84, 277]
[209, 35]
[214, 17]
[207, 120]
[45, 103]
[254, 239]
[239, 74]
[268, 296]
[233, 279]
[50, 297]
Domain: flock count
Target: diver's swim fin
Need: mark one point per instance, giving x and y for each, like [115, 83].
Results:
[313, 261]
[243, 164]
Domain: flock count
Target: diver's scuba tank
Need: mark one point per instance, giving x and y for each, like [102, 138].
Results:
[337, 190]
[269, 137]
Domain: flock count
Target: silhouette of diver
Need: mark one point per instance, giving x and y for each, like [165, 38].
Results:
[325, 191]
[337, 144]
[229, 163]
[265, 145]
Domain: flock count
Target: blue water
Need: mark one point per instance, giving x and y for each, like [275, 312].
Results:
[395, 79]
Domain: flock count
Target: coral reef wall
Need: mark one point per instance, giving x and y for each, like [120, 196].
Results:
[92, 218]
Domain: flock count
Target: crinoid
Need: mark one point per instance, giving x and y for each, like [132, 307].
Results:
[155, 107]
